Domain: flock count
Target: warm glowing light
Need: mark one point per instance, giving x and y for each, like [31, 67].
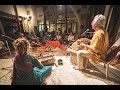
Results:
[61, 7]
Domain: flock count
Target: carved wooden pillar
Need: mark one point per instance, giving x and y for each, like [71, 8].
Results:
[45, 26]
[66, 18]
[56, 19]
[17, 17]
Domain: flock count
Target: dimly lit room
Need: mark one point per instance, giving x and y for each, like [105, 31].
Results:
[59, 44]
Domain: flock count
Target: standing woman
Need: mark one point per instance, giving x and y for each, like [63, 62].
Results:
[26, 69]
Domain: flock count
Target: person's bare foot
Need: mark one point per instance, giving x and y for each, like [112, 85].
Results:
[77, 68]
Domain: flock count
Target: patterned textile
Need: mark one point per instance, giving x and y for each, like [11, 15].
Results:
[54, 44]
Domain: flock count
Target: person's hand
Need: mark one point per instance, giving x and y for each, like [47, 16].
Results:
[82, 45]
[78, 42]
[86, 40]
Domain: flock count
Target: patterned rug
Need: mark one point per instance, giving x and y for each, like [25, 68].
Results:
[66, 75]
